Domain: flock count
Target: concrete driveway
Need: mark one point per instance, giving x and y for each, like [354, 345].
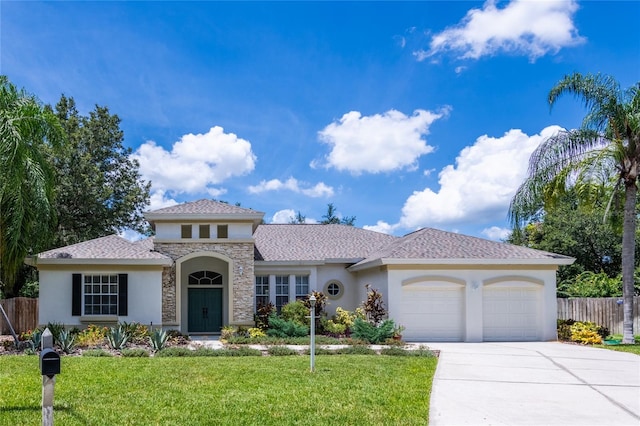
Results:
[534, 383]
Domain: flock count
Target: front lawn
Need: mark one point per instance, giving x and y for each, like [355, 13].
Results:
[345, 389]
[634, 349]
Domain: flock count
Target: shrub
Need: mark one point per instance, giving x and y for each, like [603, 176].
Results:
[66, 341]
[279, 327]
[355, 350]
[372, 333]
[262, 315]
[374, 306]
[321, 302]
[332, 328]
[174, 352]
[135, 353]
[96, 353]
[241, 351]
[256, 333]
[91, 336]
[295, 311]
[564, 329]
[281, 351]
[55, 328]
[137, 332]
[586, 333]
[158, 339]
[204, 351]
[227, 332]
[394, 351]
[591, 284]
[35, 339]
[117, 337]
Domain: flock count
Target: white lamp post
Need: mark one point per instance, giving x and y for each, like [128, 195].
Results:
[312, 347]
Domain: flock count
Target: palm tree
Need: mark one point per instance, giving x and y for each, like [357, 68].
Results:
[608, 139]
[26, 186]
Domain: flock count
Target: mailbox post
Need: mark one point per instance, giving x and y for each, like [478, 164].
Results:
[49, 367]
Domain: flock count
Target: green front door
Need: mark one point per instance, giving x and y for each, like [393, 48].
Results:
[205, 310]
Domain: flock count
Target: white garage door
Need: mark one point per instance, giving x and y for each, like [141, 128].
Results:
[432, 312]
[511, 313]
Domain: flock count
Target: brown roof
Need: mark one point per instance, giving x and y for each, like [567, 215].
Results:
[203, 207]
[429, 243]
[305, 242]
[109, 247]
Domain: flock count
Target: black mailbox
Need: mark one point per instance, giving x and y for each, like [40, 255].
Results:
[49, 362]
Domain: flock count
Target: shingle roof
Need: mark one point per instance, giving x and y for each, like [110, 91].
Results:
[304, 242]
[109, 247]
[204, 207]
[429, 243]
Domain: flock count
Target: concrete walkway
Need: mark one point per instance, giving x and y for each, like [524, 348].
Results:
[534, 383]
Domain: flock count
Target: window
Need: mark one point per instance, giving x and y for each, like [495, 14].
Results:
[223, 231]
[205, 231]
[282, 291]
[101, 295]
[205, 278]
[302, 286]
[333, 289]
[185, 231]
[262, 290]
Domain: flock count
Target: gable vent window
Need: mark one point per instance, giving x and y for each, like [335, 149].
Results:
[223, 231]
[204, 231]
[185, 231]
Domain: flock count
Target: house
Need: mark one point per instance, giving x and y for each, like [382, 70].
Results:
[210, 264]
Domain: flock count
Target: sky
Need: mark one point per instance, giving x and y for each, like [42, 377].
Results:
[402, 114]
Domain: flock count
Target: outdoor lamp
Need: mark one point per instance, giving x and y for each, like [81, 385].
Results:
[312, 346]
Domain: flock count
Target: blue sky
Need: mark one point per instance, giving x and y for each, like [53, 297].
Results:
[403, 114]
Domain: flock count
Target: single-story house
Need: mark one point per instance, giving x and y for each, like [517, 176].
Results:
[210, 264]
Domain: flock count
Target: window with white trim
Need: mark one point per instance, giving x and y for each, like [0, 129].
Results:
[302, 286]
[333, 289]
[101, 294]
[282, 291]
[262, 290]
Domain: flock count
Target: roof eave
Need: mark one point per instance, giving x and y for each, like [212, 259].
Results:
[92, 261]
[516, 261]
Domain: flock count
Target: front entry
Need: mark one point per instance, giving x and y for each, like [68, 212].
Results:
[205, 310]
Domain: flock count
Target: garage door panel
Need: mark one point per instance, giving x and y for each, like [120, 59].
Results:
[432, 313]
[511, 313]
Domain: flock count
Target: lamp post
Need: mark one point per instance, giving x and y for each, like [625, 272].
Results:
[312, 347]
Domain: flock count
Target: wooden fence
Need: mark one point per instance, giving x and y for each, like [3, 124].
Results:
[22, 312]
[603, 311]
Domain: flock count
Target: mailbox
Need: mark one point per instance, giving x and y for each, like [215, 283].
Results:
[49, 362]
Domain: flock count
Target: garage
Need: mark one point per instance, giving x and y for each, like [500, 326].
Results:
[511, 311]
[432, 311]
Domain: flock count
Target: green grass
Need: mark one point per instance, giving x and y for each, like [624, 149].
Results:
[345, 389]
[634, 349]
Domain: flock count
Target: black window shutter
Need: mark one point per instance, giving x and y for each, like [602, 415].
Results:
[123, 298]
[76, 295]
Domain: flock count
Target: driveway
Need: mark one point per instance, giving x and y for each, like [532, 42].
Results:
[534, 383]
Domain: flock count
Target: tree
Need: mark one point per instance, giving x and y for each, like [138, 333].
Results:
[298, 219]
[27, 213]
[99, 190]
[331, 217]
[608, 139]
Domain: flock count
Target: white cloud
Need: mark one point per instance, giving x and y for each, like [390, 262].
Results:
[381, 226]
[496, 233]
[196, 162]
[525, 27]
[479, 187]
[318, 190]
[159, 200]
[287, 215]
[378, 143]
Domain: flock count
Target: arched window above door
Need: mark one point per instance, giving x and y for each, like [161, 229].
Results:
[205, 278]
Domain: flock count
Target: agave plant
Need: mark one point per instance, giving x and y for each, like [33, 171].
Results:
[117, 337]
[158, 339]
[36, 338]
[67, 341]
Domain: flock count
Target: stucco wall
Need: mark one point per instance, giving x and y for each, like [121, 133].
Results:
[144, 295]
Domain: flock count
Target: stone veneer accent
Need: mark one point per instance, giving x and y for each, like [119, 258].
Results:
[169, 295]
[242, 285]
